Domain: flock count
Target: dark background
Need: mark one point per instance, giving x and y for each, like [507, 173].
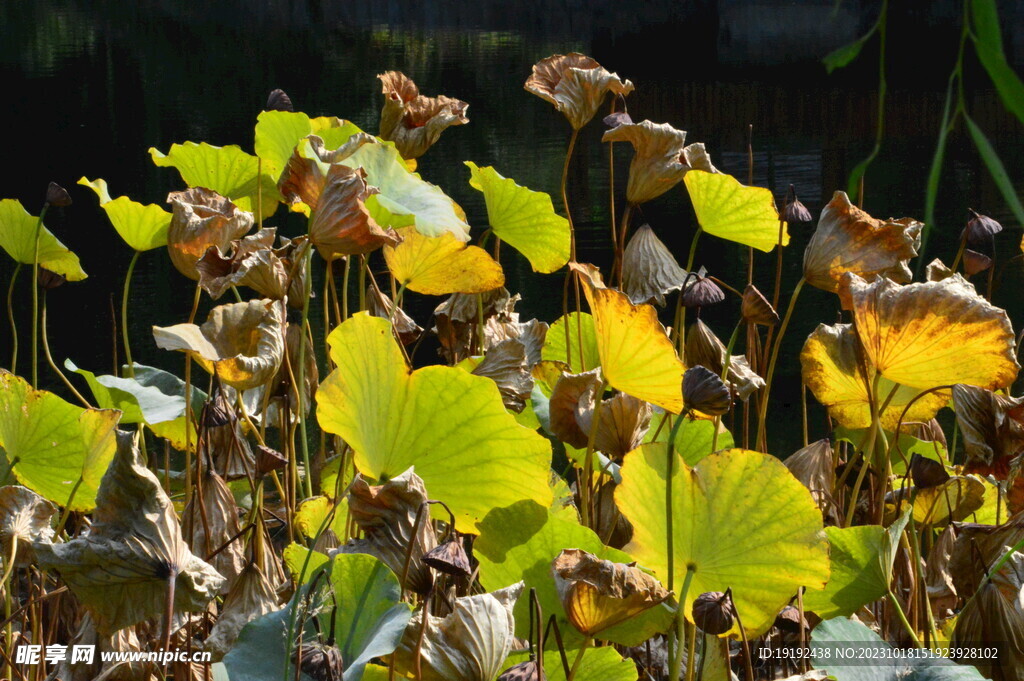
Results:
[90, 86]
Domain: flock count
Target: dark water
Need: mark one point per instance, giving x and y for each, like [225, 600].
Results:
[90, 86]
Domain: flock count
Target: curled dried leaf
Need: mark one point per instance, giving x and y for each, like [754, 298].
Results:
[703, 347]
[573, 395]
[201, 219]
[624, 422]
[649, 270]
[575, 84]
[814, 466]
[24, 520]
[380, 305]
[209, 522]
[849, 240]
[660, 158]
[251, 596]
[506, 365]
[756, 308]
[991, 425]
[410, 120]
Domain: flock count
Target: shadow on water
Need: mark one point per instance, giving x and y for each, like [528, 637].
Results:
[92, 85]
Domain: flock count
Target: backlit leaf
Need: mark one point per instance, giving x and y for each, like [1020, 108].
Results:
[142, 226]
[857, 578]
[729, 210]
[580, 325]
[439, 265]
[17, 237]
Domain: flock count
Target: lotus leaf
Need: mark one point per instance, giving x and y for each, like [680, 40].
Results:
[858, 576]
[243, 343]
[24, 519]
[414, 122]
[119, 570]
[50, 445]
[830, 369]
[575, 84]
[251, 262]
[649, 270]
[506, 365]
[439, 265]
[992, 425]
[202, 219]
[277, 135]
[917, 335]
[17, 237]
[596, 664]
[525, 219]
[142, 226]
[467, 449]
[849, 240]
[955, 499]
[815, 466]
[229, 171]
[729, 210]
[469, 644]
[741, 520]
[694, 439]
[660, 160]
[580, 325]
[637, 356]
[252, 596]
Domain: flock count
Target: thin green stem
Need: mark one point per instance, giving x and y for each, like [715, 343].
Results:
[588, 460]
[771, 364]
[308, 478]
[587, 642]
[689, 270]
[725, 377]
[53, 365]
[35, 298]
[903, 618]
[676, 663]
[124, 313]
[10, 318]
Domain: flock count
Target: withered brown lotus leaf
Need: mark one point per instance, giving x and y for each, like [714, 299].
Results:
[713, 612]
[925, 472]
[937, 271]
[976, 549]
[703, 347]
[814, 466]
[995, 617]
[282, 387]
[598, 594]
[649, 270]
[849, 240]
[919, 334]
[980, 229]
[410, 120]
[278, 100]
[469, 644]
[975, 262]
[119, 570]
[457, 323]
[506, 365]
[209, 521]
[572, 396]
[251, 262]
[227, 447]
[250, 597]
[450, 558]
[613, 527]
[756, 308]
[704, 391]
[57, 196]
[832, 370]
[99, 668]
[991, 425]
[322, 662]
[387, 516]
[292, 253]
[660, 158]
[701, 291]
[268, 460]
[201, 218]
[941, 589]
[380, 305]
[304, 179]
[575, 84]
[624, 422]
[243, 343]
[341, 224]
[524, 671]
[24, 520]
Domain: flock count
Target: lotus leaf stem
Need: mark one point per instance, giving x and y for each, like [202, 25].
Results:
[35, 298]
[188, 403]
[10, 318]
[53, 365]
[124, 313]
[903, 618]
[691, 648]
[6, 585]
[761, 435]
[588, 459]
[587, 642]
[344, 287]
[308, 477]
[67, 508]
[676, 664]
[725, 379]
[689, 271]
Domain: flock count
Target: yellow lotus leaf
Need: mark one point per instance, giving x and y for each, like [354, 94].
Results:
[729, 210]
[829, 364]
[847, 239]
[242, 342]
[439, 265]
[933, 333]
[637, 356]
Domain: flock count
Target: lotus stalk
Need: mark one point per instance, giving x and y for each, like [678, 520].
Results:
[35, 296]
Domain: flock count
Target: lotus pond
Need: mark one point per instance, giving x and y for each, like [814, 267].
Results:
[367, 463]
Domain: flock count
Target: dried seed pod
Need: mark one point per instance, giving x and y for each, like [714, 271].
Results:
[980, 229]
[449, 558]
[713, 612]
[757, 309]
[795, 211]
[268, 460]
[789, 620]
[322, 663]
[702, 292]
[217, 411]
[57, 195]
[705, 391]
[975, 262]
[524, 671]
[279, 101]
[926, 472]
[49, 280]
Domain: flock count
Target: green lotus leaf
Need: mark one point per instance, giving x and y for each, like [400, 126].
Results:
[834, 635]
[17, 237]
[51, 445]
[138, 403]
[742, 521]
[524, 218]
[908, 445]
[729, 210]
[312, 513]
[229, 171]
[142, 226]
[369, 619]
[597, 664]
[403, 194]
[694, 439]
[858, 576]
[451, 425]
[279, 132]
[518, 543]
[294, 558]
[554, 342]
[169, 384]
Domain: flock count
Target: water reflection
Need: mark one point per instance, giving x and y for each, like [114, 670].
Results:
[93, 85]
